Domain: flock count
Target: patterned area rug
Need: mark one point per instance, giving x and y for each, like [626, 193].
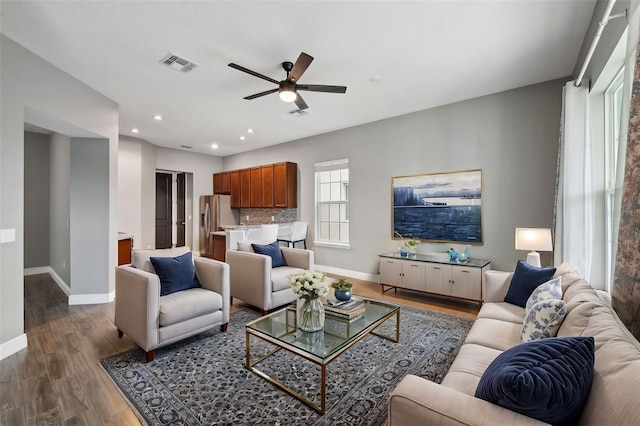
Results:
[202, 380]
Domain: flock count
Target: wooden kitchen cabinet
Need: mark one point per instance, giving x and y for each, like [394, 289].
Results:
[125, 245]
[234, 178]
[285, 185]
[267, 185]
[222, 183]
[245, 188]
[429, 274]
[256, 187]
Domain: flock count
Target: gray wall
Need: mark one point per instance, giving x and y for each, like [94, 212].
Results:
[512, 136]
[36, 200]
[30, 82]
[89, 218]
[59, 249]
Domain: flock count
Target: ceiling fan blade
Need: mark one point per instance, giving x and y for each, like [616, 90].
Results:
[322, 88]
[253, 73]
[300, 103]
[257, 95]
[301, 65]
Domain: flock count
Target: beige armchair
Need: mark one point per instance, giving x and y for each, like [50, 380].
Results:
[255, 282]
[153, 321]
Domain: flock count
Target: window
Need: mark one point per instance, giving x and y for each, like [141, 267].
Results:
[332, 203]
[613, 111]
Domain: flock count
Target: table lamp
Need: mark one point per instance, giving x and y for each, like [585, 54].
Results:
[533, 239]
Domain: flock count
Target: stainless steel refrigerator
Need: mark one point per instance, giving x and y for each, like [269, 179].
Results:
[215, 212]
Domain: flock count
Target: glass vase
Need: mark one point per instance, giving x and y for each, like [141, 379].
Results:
[310, 315]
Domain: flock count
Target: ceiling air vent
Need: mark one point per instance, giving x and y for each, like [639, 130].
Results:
[178, 63]
[186, 146]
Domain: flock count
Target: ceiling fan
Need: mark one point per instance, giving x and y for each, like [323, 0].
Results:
[289, 87]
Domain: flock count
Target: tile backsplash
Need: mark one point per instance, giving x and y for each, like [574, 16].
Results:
[263, 216]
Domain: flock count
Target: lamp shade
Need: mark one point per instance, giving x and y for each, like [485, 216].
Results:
[533, 239]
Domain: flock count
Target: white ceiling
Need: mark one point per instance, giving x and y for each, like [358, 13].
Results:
[423, 53]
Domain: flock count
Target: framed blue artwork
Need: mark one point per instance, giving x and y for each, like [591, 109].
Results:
[442, 207]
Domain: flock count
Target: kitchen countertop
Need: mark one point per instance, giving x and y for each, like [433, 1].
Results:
[219, 233]
[124, 236]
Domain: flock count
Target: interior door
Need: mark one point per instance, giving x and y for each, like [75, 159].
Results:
[163, 210]
[181, 210]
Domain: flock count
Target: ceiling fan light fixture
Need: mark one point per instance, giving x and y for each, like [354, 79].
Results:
[287, 94]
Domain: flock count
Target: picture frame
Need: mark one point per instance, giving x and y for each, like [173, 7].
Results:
[438, 207]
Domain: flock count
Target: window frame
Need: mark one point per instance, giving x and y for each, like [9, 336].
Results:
[331, 166]
[612, 123]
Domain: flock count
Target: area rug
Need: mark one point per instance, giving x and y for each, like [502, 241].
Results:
[202, 380]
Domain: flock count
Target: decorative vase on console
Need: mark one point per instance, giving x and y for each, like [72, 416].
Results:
[453, 255]
[466, 255]
[309, 286]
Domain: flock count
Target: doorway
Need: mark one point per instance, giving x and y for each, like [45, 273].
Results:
[172, 209]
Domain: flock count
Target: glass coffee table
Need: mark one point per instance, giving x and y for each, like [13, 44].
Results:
[320, 347]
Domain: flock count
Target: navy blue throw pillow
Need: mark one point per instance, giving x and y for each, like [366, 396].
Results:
[546, 379]
[175, 273]
[272, 250]
[526, 278]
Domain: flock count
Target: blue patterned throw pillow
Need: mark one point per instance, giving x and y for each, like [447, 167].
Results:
[175, 273]
[272, 250]
[552, 289]
[543, 320]
[548, 379]
[525, 279]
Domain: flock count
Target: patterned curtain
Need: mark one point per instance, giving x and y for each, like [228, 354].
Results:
[625, 294]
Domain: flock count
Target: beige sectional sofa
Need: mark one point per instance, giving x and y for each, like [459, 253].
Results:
[614, 397]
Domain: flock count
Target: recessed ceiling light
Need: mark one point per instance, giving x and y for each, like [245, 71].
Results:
[135, 131]
[242, 138]
[375, 78]
[249, 130]
[214, 146]
[158, 117]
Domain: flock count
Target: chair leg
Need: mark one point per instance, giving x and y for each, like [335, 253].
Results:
[150, 355]
[304, 242]
[120, 333]
[223, 327]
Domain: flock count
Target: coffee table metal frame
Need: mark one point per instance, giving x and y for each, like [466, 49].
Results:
[323, 362]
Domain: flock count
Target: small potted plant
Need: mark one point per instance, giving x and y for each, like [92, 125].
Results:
[342, 289]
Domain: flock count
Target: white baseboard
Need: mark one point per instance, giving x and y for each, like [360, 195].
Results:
[91, 299]
[13, 346]
[348, 273]
[74, 299]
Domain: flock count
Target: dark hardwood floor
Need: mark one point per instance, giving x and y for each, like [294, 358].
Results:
[57, 379]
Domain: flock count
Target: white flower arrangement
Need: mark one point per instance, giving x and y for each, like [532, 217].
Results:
[308, 285]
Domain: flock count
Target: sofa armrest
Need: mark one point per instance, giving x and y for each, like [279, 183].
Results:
[214, 275]
[137, 305]
[495, 285]
[298, 258]
[250, 277]
[419, 401]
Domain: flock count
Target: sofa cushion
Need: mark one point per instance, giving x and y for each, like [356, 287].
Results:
[175, 273]
[525, 279]
[468, 366]
[550, 290]
[184, 305]
[496, 334]
[502, 311]
[272, 250]
[543, 320]
[548, 379]
[280, 277]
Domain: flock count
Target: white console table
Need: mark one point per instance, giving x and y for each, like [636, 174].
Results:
[432, 274]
